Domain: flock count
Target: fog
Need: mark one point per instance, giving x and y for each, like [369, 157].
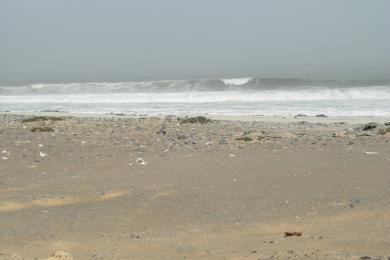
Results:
[119, 40]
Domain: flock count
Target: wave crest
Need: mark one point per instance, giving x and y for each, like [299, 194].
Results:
[205, 85]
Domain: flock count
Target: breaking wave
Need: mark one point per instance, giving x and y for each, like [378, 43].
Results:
[235, 84]
[220, 96]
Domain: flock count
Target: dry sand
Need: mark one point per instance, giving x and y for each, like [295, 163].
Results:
[154, 188]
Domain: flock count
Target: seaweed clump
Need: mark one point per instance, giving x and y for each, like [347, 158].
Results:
[195, 120]
[245, 139]
[42, 118]
[42, 129]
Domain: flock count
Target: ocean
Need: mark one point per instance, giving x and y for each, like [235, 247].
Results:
[235, 96]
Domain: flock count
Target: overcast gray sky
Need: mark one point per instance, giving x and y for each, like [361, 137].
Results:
[119, 40]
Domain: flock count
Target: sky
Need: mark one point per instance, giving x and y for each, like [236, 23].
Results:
[123, 40]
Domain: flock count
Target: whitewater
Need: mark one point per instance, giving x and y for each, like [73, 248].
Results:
[233, 96]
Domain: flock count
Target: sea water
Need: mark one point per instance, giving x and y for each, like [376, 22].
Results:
[249, 96]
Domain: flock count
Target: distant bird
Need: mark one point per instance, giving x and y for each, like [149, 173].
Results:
[309, 64]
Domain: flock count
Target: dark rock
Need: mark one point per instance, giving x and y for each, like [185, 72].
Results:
[134, 236]
[293, 233]
[300, 115]
[181, 137]
[370, 126]
[387, 123]
[321, 115]
[162, 130]
[188, 142]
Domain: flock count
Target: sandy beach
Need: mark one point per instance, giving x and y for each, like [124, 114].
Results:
[118, 187]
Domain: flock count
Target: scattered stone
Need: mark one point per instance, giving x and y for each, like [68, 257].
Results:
[4, 158]
[384, 131]
[162, 130]
[370, 126]
[134, 236]
[338, 134]
[140, 161]
[42, 129]
[43, 155]
[300, 115]
[321, 115]
[232, 155]
[293, 233]
[181, 137]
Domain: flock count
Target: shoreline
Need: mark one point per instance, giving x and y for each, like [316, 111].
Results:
[240, 118]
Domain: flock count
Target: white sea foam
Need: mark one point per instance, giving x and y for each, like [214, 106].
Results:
[232, 96]
[236, 81]
[371, 93]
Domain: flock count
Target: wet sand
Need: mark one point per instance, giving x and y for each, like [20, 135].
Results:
[118, 187]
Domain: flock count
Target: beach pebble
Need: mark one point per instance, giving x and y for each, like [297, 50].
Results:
[370, 126]
[43, 155]
[370, 153]
[232, 155]
[140, 161]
